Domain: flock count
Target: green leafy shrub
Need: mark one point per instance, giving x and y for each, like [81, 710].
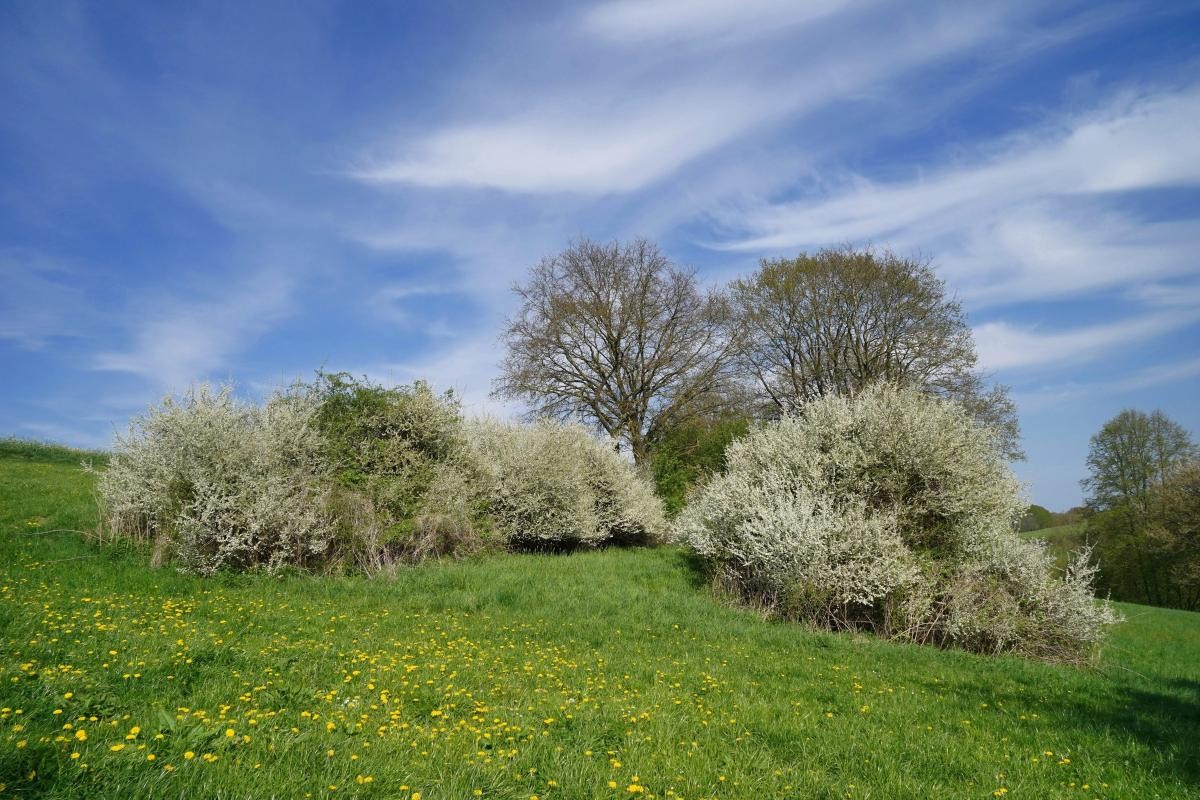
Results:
[555, 486]
[390, 444]
[1035, 518]
[890, 511]
[689, 453]
[1150, 553]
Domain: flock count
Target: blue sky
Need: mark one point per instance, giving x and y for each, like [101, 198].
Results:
[249, 191]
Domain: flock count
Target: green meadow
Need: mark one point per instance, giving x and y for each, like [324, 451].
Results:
[605, 674]
[1061, 540]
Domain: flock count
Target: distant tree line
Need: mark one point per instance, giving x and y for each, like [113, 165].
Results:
[1039, 518]
[1144, 489]
[619, 337]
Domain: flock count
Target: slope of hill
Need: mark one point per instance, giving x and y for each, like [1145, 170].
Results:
[1063, 540]
[598, 675]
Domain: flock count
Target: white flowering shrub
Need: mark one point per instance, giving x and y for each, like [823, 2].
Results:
[891, 511]
[217, 484]
[340, 473]
[555, 486]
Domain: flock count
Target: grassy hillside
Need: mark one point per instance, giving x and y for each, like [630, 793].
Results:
[1062, 539]
[601, 675]
[13, 449]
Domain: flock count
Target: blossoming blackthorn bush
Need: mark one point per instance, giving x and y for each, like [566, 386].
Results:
[895, 512]
[219, 484]
[552, 486]
[341, 473]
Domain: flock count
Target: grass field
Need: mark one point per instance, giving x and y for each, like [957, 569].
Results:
[600, 675]
[1063, 540]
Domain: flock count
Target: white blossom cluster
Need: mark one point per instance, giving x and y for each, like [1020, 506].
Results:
[212, 483]
[550, 484]
[893, 511]
[219, 484]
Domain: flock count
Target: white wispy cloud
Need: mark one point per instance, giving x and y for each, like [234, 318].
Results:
[1185, 295]
[1136, 142]
[40, 300]
[1071, 391]
[393, 304]
[1032, 217]
[621, 126]
[640, 20]
[185, 339]
[620, 148]
[1047, 250]
[1004, 346]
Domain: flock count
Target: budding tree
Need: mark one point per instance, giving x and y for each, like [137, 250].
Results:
[617, 335]
[1132, 454]
[840, 320]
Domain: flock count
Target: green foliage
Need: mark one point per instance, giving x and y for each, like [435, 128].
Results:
[387, 442]
[690, 453]
[1143, 481]
[1150, 553]
[573, 656]
[1035, 518]
[1076, 515]
[1174, 532]
[1131, 455]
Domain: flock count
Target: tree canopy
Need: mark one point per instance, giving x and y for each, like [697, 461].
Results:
[840, 320]
[1132, 454]
[616, 335]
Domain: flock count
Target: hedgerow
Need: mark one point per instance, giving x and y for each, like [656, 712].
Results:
[895, 512]
[555, 486]
[341, 474]
[218, 484]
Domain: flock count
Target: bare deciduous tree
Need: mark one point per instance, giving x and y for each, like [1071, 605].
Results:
[840, 320]
[617, 335]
